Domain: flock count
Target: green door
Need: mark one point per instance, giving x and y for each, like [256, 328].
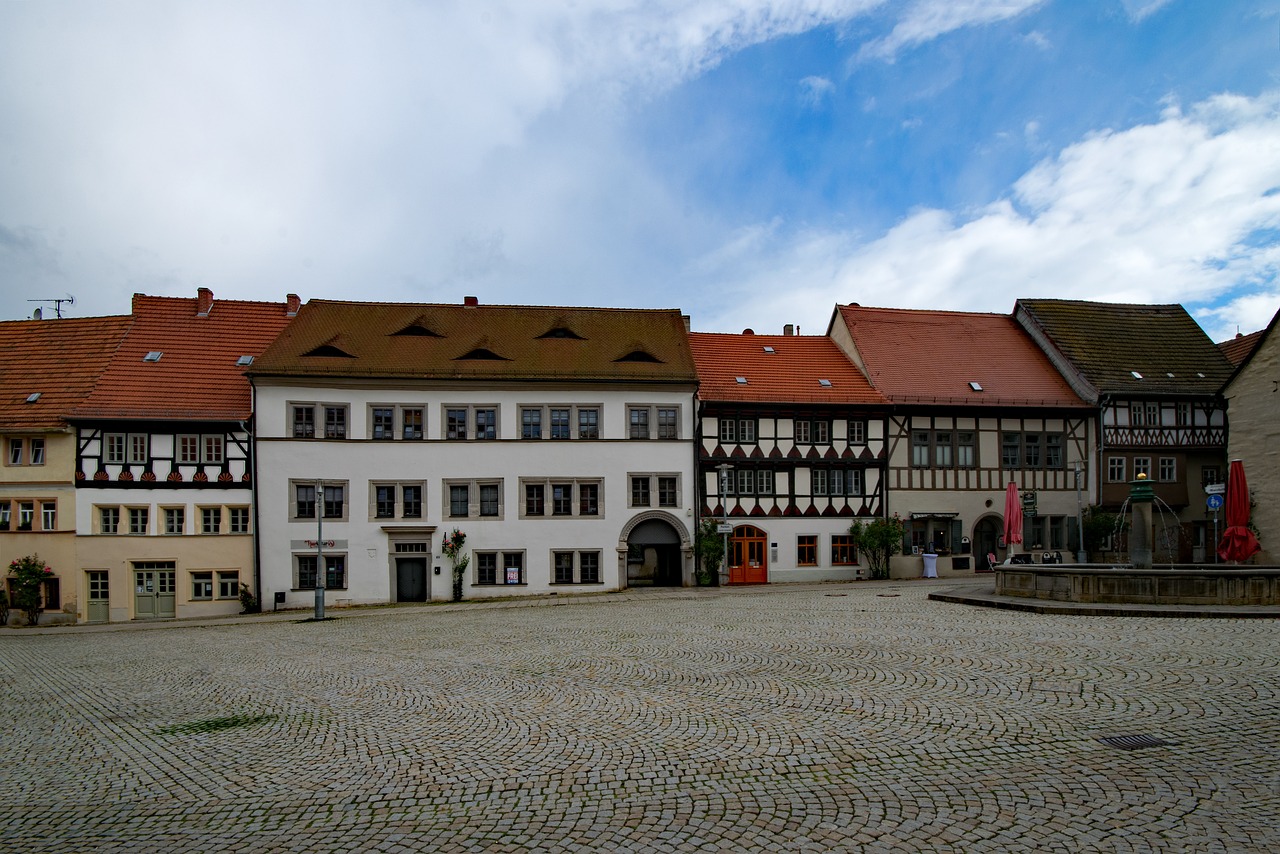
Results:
[99, 597]
[154, 590]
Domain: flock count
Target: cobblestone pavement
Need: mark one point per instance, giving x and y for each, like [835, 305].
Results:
[824, 717]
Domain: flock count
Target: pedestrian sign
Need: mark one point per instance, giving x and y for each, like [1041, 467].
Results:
[1214, 501]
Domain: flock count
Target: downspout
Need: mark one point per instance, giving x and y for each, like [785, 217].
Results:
[253, 484]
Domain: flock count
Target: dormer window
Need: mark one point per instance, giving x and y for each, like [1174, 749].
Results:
[639, 356]
[482, 354]
[329, 350]
[418, 329]
[562, 332]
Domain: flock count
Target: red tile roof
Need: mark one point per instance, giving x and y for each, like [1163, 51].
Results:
[790, 373]
[196, 377]
[481, 342]
[61, 359]
[914, 356]
[1238, 348]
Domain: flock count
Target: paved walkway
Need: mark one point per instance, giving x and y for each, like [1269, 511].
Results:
[815, 718]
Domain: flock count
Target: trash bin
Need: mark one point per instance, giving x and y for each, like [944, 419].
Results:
[930, 565]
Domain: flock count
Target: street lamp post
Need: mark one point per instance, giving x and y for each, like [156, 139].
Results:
[320, 550]
[1082, 555]
[724, 469]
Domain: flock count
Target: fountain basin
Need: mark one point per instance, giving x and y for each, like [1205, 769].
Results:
[1171, 585]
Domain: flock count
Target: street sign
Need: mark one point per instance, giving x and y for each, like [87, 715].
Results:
[1028, 500]
[724, 528]
[1214, 501]
[1215, 488]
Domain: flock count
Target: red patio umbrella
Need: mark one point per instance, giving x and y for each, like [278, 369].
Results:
[1238, 542]
[1012, 515]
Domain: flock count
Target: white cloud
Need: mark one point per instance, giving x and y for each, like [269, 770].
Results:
[1137, 10]
[1183, 210]
[815, 90]
[925, 20]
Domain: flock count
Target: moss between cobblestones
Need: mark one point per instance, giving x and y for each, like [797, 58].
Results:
[216, 724]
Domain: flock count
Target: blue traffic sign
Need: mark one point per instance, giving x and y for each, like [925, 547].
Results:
[1214, 501]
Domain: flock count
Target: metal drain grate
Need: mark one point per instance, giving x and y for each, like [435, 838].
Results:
[1133, 742]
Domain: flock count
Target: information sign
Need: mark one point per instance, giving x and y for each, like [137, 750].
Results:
[1214, 501]
[1215, 488]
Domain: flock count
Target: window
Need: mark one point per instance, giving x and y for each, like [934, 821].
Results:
[1115, 470]
[562, 499]
[1032, 450]
[966, 450]
[534, 499]
[304, 422]
[1183, 414]
[229, 585]
[513, 567]
[494, 568]
[1053, 451]
[803, 433]
[560, 423]
[1011, 450]
[857, 432]
[807, 550]
[335, 576]
[588, 499]
[333, 500]
[459, 500]
[668, 423]
[667, 492]
[305, 501]
[1141, 466]
[842, 551]
[455, 423]
[37, 452]
[138, 443]
[239, 519]
[202, 585]
[211, 520]
[26, 452]
[589, 567]
[188, 449]
[115, 447]
[943, 449]
[414, 423]
[1210, 474]
[175, 520]
[819, 481]
[384, 423]
[588, 423]
[920, 448]
[1144, 414]
[335, 422]
[213, 450]
[639, 423]
[15, 452]
[746, 482]
[728, 431]
[384, 501]
[411, 501]
[846, 482]
[563, 565]
[822, 432]
[4, 515]
[640, 491]
[108, 519]
[137, 520]
[488, 499]
[764, 482]
[486, 568]
[26, 515]
[48, 516]
[486, 423]
[531, 424]
[1168, 469]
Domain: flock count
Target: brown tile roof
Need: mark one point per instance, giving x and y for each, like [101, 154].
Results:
[1238, 349]
[482, 342]
[790, 373]
[915, 356]
[197, 377]
[61, 359]
[1107, 342]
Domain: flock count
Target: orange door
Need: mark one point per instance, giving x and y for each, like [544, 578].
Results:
[747, 561]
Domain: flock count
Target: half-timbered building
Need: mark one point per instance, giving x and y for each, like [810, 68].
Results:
[976, 406]
[791, 449]
[164, 460]
[1155, 379]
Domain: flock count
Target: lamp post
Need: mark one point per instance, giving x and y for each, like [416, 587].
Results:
[1082, 555]
[724, 469]
[320, 573]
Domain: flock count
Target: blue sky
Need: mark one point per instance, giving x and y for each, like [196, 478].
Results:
[751, 163]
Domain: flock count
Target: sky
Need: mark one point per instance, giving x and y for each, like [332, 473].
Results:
[750, 163]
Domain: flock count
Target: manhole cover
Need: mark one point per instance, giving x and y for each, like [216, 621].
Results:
[1133, 742]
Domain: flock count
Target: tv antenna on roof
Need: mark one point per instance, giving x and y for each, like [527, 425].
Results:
[57, 305]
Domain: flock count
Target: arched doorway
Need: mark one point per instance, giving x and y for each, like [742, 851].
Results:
[654, 555]
[748, 561]
[986, 540]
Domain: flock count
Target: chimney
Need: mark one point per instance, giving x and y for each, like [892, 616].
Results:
[688, 322]
[748, 331]
[204, 302]
[788, 330]
[471, 302]
[291, 305]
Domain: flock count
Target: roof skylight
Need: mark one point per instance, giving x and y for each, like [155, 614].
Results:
[153, 356]
[33, 397]
[975, 386]
[244, 361]
[741, 380]
[769, 350]
[1136, 375]
[825, 383]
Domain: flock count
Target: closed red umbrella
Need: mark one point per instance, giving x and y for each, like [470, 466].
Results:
[1238, 542]
[1012, 515]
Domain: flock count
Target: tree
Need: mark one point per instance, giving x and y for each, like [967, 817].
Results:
[710, 549]
[452, 547]
[29, 575]
[878, 540]
[1099, 525]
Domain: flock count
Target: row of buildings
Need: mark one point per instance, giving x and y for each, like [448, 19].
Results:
[162, 461]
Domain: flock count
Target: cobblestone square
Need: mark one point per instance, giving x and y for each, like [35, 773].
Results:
[814, 718]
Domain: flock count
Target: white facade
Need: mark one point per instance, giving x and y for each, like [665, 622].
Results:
[391, 499]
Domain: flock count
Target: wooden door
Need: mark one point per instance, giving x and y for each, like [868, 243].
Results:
[748, 562]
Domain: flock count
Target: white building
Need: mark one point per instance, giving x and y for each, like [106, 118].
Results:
[558, 440]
